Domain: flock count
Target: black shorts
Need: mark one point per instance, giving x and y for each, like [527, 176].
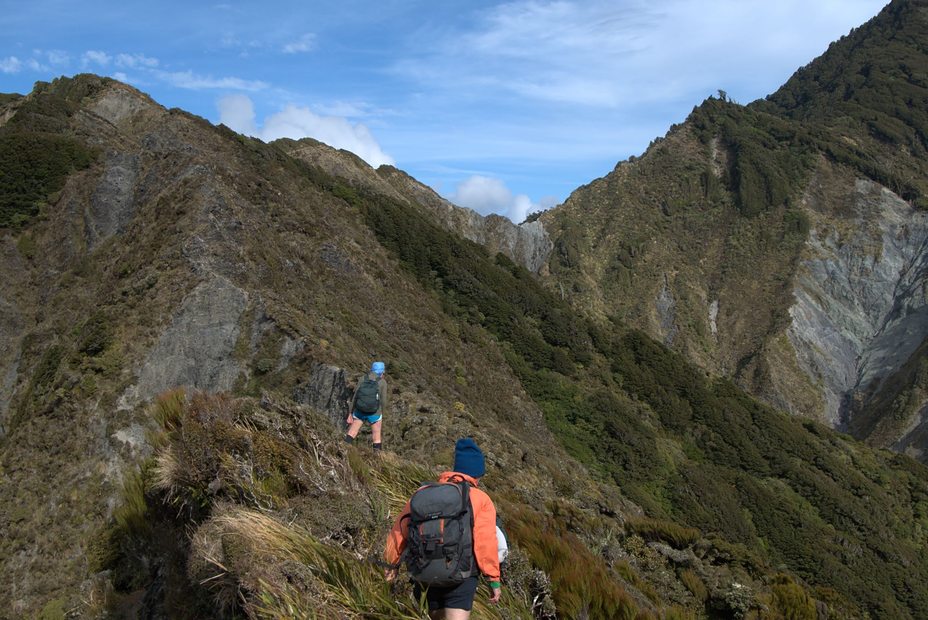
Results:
[460, 596]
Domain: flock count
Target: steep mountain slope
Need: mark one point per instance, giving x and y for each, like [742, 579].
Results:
[782, 243]
[526, 244]
[189, 256]
[170, 253]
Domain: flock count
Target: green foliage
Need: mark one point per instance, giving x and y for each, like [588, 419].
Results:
[492, 292]
[95, 335]
[865, 97]
[36, 151]
[32, 166]
[791, 602]
[771, 156]
[53, 610]
[46, 370]
[590, 592]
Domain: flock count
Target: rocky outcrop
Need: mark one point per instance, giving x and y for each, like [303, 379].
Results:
[327, 390]
[195, 351]
[120, 103]
[860, 309]
[112, 205]
[526, 244]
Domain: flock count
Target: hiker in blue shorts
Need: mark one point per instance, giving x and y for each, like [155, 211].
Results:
[367, 405]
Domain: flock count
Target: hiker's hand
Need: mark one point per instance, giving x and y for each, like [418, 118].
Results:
[497, 592]
[390, 574]
[349, 419]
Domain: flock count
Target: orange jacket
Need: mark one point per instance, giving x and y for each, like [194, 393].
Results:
[484, 530]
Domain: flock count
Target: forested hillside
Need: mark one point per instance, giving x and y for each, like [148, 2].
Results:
[781, 243]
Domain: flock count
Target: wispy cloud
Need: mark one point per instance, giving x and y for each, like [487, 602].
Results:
[10, 64]
[55, 57]
[34, 65]
[132, 61]
[305, 43]
[95, 57]
[604, 53]
[238, 113]
[193, 81]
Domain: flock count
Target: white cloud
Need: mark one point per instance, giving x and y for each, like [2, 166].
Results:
[192, 81]
[237, 112]
[132, 61]
[10, 64]
[306, 43]
[95, 57]
[487, 195]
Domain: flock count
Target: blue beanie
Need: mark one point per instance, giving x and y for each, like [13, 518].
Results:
[468, 459]
[378, 368]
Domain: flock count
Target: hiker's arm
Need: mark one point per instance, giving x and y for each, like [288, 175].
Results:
[383, 396]
[354, 397]
[396, 539]
[485, 537]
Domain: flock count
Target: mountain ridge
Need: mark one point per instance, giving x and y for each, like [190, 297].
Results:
[185, 254]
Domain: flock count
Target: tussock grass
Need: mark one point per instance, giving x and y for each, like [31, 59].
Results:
[669, 532]
[130, 514]
[338, 581]
[169, 408]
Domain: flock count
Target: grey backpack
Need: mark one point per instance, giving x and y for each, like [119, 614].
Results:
[440, 544]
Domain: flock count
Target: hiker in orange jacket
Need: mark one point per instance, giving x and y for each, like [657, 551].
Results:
[455, 602]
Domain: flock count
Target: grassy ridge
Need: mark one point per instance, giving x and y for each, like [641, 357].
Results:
[696, 451]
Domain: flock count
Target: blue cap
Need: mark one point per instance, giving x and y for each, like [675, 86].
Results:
[468, 459]
[378, 368]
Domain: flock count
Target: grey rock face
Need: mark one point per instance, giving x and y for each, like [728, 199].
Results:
[196, 349]
[526, 244]
[327, 390]
[117, 104]
[112, 205]
[713, 318]
[666, 308]
[861, 308]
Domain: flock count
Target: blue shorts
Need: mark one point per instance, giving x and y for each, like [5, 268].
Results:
[370, 418]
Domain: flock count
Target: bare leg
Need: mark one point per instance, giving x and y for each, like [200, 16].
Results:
[354, 428]
[455, 614]
[375, 430]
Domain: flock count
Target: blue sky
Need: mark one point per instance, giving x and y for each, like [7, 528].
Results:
[504, 107]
